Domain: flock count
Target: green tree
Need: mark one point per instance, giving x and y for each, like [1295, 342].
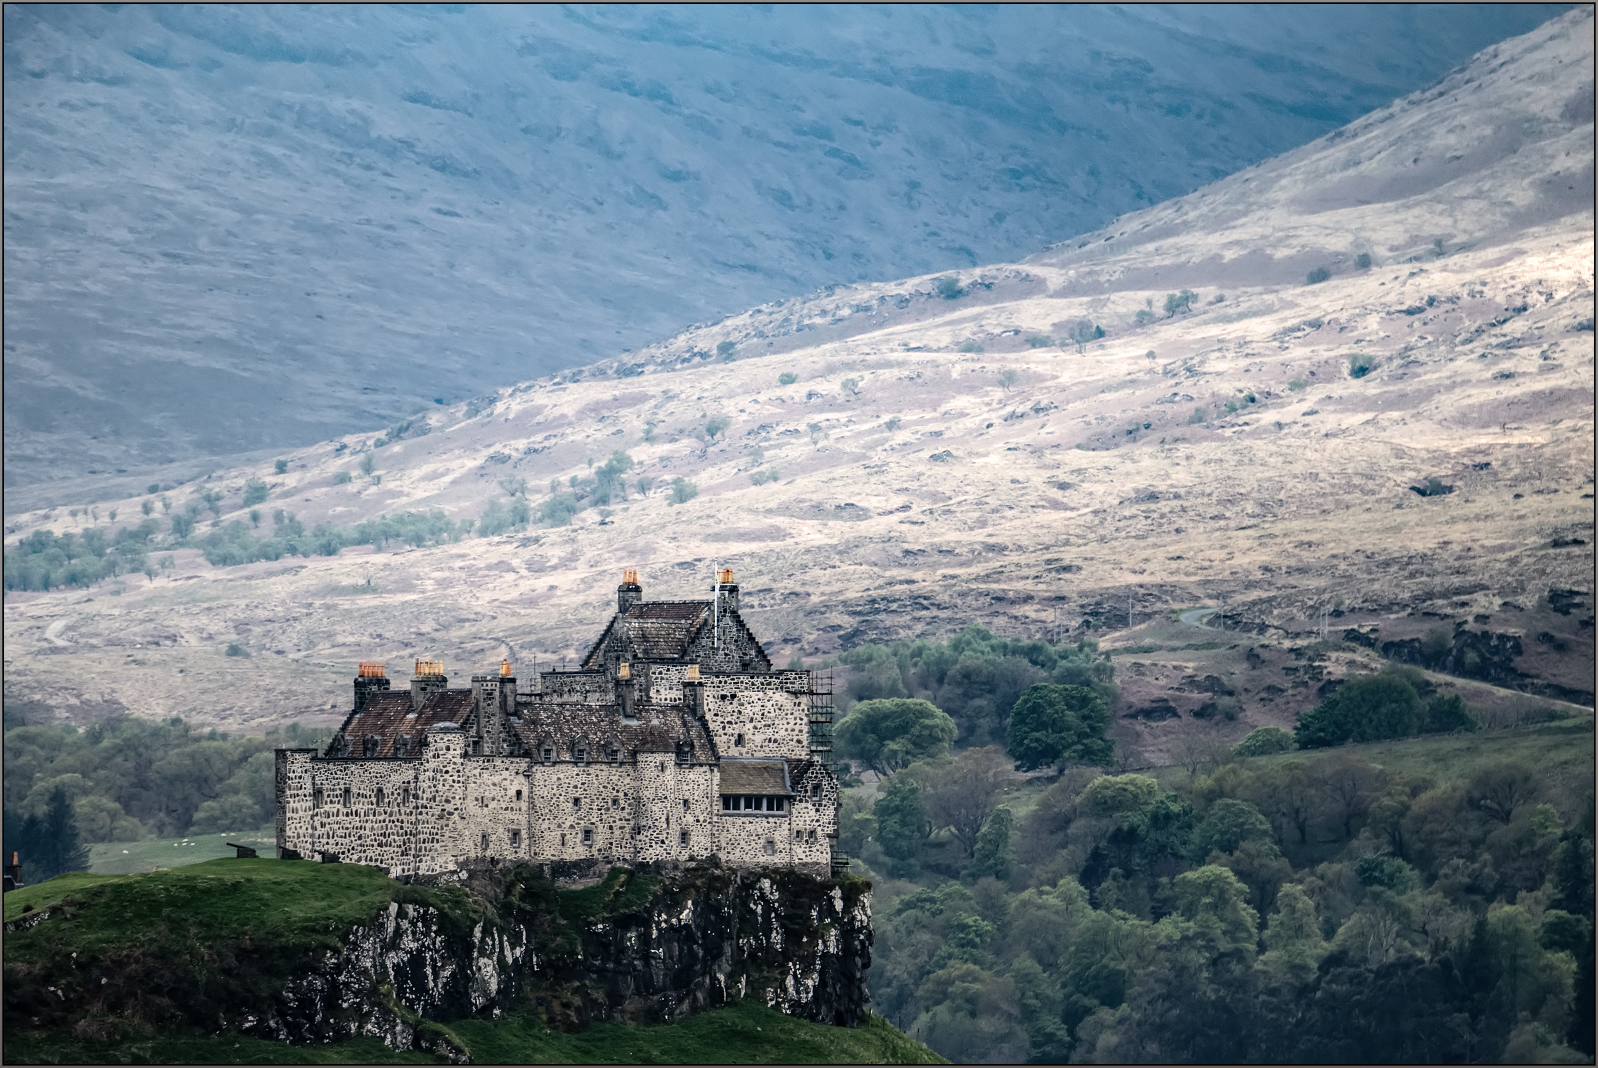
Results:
[1228, 824]
[716, 426]
[1317, 276]
[724, 349]
[368, 464]
[948, 287]
[255, 492]
[341, 478]
[1213, 899]
[182, 526]
[891, 733]
[1263, 741]
[1179, 302]
[1364, 709]
[1293, 941]
[62, 851]
[787, 378]
[902, 824]
[1083, 333]
[683, 491]
[1054, 725]
[1446, 713]
[992, 853]
[280, 467]
[1007, 377]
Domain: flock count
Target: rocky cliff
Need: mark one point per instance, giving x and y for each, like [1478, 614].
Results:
[641, 946]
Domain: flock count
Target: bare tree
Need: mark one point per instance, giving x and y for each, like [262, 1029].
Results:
[1502, 789]
[1349, 784]
[961, 797]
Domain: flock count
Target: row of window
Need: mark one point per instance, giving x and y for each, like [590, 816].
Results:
[729, 802]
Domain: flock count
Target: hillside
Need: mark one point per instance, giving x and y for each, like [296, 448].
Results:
[285, 949]
[237, 229]
[941, 459]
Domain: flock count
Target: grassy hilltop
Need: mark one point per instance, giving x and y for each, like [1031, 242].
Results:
[227, 927]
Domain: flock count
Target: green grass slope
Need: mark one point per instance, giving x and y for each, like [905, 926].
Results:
[241, 925]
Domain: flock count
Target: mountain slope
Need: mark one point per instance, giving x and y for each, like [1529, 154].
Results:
[232, 229]
[1257, 450]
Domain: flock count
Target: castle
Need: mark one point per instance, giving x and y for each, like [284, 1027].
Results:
[674, 739]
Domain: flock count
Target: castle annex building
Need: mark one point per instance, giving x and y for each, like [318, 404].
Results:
[674, 739]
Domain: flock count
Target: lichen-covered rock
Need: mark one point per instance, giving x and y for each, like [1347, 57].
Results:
[699, 937]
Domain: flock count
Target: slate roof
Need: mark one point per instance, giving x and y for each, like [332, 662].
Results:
[388, 714]
[653, 630]
[599, 726]
[744, 776]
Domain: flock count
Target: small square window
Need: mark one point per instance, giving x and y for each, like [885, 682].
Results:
[549, 756]
[615, 802]
[815, 791]
[582, 756]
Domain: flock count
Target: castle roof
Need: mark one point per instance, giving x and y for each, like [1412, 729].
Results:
[562, 726]
[389, 714]
[741, 775]
[663, 630]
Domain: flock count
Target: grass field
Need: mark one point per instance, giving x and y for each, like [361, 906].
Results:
[153, 853]
[746, 1033]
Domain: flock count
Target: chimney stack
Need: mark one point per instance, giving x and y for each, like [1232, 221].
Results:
[369, 679]
[428, 677]
[629, 592]
[726, 589]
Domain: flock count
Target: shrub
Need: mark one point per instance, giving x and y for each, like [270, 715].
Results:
[851, 385]
[948, 287]
[556, 511]
[368, 464]
[645, 484]
[1227, 708]
[892, 424]
[1360, 365]
[716, 426]
[1007, 377]
[341, 478]
[1298, 385]
[1200, 415]
[1082, 333]
[1039, 341]
[279, 466]
[155, 487]
[787, 378]
[1317, 276]
[1263, 741]
[726, 349]
[237, 650]
[969, 345]
[1363, 261]
[182, 526]
[760, 478]
[1448, 712]
[683, 491]
[1365, 709]
[1175, 302]
[255, 492]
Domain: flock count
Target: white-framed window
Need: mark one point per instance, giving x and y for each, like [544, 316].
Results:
[588, 837]
[815, 791]
[771, 847]
[516, 839]
[682, 838]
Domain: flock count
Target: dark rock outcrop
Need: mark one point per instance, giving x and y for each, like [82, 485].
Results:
[706, 936]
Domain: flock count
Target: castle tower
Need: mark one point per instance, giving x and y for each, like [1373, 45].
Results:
[629, 592]
[369, 679]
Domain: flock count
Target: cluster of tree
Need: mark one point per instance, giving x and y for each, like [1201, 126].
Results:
[45, 560]
[1385, 705]
[237, 543]
[1321, 909]
[127, 779]
[976, 677]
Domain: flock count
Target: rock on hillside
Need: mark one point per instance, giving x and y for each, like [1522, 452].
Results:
[939, 457]
[235, 228]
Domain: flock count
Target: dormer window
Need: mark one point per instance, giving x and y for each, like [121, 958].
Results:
[582, 754]
[549, 755]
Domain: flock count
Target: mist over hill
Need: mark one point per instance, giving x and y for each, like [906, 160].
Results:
[243, 228]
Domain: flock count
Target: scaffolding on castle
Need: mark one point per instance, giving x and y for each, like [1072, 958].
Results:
[821, 715]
